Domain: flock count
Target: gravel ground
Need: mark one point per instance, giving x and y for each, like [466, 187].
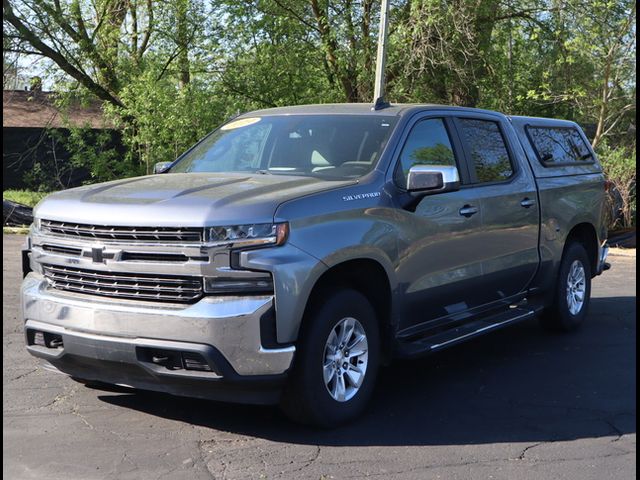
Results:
[517, 404]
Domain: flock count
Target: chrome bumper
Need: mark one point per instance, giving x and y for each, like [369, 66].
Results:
[226, 331]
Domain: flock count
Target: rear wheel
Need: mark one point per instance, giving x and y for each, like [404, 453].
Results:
[336, 362]
[573, 291]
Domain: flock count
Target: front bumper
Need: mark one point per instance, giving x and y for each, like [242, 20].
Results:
[121, 342]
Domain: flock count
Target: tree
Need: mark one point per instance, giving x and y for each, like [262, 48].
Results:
[575, 60]
[612, 36]
[170, 71]
[339, 30]
[60, 32]
[125, 52]
[441, 49]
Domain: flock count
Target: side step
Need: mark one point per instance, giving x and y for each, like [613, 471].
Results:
[465, 332]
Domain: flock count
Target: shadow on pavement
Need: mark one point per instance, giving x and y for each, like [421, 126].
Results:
[517, 385]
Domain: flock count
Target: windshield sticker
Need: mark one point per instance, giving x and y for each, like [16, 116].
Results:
[360, 196]
[243, 122]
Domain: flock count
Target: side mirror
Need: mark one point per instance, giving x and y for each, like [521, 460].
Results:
[429, 179]
[161, 167]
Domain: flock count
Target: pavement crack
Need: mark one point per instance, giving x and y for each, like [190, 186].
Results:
[63, 397]
[75, 412]
[203, 461]
[526, 449]
[391, 474]
[309, 462]
[124, 458]
[22, 375]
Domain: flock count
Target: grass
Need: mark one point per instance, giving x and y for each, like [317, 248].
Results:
[15, 230]
[24, 197]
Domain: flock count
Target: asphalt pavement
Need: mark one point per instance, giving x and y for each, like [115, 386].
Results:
[520, 403]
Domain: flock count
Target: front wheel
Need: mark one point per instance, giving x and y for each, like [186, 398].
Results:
[573, 291]
[336, 362]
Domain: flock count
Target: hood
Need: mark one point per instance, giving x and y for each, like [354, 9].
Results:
[181, 199]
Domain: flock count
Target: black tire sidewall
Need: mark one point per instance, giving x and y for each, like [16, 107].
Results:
[307, 399]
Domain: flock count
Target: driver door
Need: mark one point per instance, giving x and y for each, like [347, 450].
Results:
[440, 265]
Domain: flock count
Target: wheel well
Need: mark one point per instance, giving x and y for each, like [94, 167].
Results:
[585, 234]
[367, 277]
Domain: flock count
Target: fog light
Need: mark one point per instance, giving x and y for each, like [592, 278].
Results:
[38, 339]
[195, 361]
[45, 339]
[238, 285]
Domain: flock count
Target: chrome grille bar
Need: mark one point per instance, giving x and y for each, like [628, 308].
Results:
[116, 233]
[74, 252]
[123, 285]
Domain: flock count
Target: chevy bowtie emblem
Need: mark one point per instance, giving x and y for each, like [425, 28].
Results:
[97, 255]
[100, 254]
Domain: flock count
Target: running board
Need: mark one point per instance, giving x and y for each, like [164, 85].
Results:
[464, 332]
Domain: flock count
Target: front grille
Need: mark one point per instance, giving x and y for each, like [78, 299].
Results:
[164, 288]
[153, 257]
[74, 252]
[140, 234]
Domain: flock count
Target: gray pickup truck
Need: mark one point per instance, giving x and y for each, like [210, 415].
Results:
[292, 251]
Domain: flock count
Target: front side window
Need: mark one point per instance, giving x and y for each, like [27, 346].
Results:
[326, 146]
[428, 143]
[558, 146]
[487, 149]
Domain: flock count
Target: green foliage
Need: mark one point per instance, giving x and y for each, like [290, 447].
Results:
[94, 150]
[169, 72]
[438, 154]
[87, 152]
[619, 165]
[24, 197]
[164, 120]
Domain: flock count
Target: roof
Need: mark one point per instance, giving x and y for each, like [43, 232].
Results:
[541, 121]
[35, 109]
[333, 109]
[398, 109]
[395, 109]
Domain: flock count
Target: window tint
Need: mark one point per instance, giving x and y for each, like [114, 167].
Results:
[323, 146]
[559, 145]
[428, 144]
[487, 149]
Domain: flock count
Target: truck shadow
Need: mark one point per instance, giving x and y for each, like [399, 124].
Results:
[517, 385]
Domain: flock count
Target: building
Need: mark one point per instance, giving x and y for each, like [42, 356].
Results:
[34, 154]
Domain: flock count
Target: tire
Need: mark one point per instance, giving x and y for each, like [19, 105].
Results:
[566, 314]
[309, 397]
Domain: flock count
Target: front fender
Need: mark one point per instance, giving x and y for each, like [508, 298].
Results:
[294, 272]
[314, 246]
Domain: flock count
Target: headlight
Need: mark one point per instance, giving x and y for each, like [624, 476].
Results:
[248, 235]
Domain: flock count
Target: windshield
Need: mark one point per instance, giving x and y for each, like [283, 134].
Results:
[328, 146]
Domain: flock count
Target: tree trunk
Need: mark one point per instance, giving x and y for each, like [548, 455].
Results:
[182, 42]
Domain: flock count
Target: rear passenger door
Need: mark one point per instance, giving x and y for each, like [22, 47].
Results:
[504, 185]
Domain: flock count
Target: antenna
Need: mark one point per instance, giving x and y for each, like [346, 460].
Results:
[378, 95]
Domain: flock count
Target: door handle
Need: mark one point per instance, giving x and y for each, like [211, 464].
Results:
[468, 210]
[527, 202]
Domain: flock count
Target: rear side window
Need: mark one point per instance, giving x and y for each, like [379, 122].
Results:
[487, 149]
[428, 143]
[559, 146]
